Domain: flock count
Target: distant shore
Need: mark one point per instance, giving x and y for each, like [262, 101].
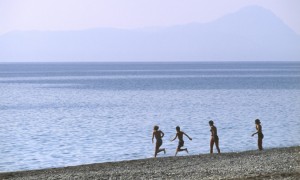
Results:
[277, 163]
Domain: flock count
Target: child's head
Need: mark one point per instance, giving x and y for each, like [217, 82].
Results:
[177, 128]
[257, 121]
[155, 128]
[211, 123]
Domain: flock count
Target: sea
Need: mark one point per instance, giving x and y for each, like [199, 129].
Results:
[67, 114]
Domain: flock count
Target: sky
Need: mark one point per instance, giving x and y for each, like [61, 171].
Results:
[85, 14]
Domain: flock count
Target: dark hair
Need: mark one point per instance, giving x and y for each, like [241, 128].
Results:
[177, 128]
[210, 122]
[155, 128]
[257, 121]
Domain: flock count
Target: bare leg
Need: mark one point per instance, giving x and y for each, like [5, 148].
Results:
[179, 149]
[157, 146]
[211, 145]
[185, 149]
[259, 143]
[157, 150]
[160, 150]
[217, 146]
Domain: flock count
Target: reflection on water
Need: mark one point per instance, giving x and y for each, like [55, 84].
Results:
[68, 114]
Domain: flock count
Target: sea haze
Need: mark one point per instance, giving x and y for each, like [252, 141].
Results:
[251, 34]
[62, 114]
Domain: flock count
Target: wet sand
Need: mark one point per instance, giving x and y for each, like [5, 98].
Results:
[278, 163]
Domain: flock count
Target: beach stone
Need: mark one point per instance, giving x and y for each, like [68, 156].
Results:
[280, 163]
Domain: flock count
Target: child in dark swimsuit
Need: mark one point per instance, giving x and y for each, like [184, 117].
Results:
[259, 133]
[158, 134]
[180, 134]
[214, 137]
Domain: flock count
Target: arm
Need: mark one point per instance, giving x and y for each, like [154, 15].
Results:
[187, 136]
[258, 130]
[174, 137]
[162, 134]
[152, 136]
[254, 133]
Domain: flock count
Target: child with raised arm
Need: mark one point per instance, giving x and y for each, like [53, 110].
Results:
[180, 134]
[158, 134]
[214, 137]
[259, 133]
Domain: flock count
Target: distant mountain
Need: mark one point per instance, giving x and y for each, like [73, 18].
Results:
[250, 34]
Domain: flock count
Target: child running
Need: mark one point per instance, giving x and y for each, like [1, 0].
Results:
[158, 134]
[180, 134]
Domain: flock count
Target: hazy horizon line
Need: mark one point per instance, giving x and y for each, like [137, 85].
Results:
[145, 62]
[150, 27]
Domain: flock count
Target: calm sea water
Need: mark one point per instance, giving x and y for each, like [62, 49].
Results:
[62, 114]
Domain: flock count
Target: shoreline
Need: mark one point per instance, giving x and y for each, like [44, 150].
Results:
[276, 163]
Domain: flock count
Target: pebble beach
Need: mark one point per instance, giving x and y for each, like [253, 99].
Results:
[277, 163]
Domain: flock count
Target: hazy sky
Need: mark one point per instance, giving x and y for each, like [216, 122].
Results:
[83, 14]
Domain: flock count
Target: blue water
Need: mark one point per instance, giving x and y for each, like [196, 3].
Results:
[62, 114]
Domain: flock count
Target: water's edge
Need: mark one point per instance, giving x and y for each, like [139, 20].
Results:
[92, 169]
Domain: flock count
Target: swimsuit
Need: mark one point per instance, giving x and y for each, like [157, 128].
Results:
[215, 137]
[158, 143]
[180, 144]
[260, 135]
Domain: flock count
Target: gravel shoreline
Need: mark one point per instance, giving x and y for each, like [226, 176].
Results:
[278, 163]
